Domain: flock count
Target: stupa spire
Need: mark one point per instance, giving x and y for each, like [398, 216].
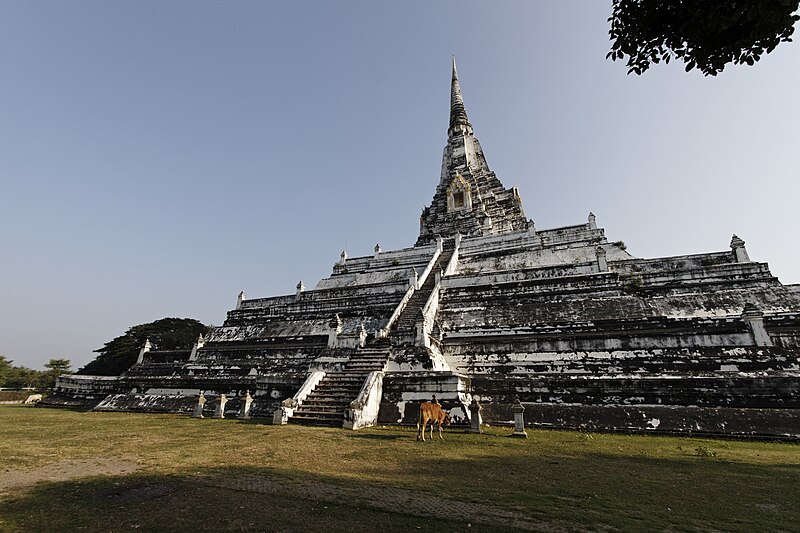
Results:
[458, 114]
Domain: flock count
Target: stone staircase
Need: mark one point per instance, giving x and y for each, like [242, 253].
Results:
[326, 404]
[406, 323]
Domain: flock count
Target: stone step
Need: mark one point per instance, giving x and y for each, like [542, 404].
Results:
[320, 413]
[334, 391]
[324, 403]
[327, 384]
[316, 421]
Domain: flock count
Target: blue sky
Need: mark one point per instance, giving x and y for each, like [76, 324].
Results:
[158, 157]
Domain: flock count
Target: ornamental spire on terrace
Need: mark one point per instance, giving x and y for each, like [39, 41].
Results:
[458, 114]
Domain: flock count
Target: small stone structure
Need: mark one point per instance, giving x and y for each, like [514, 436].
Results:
[475, 417]
[557, 327]
[198, 410]
[219, 406]
[246, 404]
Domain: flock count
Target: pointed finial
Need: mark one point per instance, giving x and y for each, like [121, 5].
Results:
[458, 114]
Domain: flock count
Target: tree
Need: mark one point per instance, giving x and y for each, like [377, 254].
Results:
[119, 354]
[20, 377]
[55, 368]
[5, 370]
[707, 34]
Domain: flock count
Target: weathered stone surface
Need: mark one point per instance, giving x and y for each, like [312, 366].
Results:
[489, 307]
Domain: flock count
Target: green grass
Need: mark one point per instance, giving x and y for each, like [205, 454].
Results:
[225, 475]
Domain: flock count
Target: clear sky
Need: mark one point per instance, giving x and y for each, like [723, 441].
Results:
[158, 157]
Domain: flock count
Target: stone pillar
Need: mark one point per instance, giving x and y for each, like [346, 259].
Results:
[531, 227]
[475, 417]
[438, 276]
[242, 297]
[333, 333]
[198, 409]
[199, 343]
[144, 350]
[343, 257]
[519, 419]
[244, 410]
[362, 336]
[377, 250]
[422, 337]
[592, 221]
[439, 243]
[284, 412]
[219, 410]
[300, 288]
[739, 251]
[754, 318]
[413, 279]
[602, 264]
[458, 239]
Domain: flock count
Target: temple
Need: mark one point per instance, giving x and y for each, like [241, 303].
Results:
[496, 318]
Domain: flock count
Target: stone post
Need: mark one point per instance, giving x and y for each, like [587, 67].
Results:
[377, 250]
[219, 410]
[475, 417]
[284, 412]
[413, 279]
[362, 336]
[241, 298]
[199, 343]
[602, 264]
[422, 337]
[519, 419]
[458, 240]
[343, 257]
[198, 409]
[754, 318]
[592, 221]
[739, 251]
[144, 350]
[247, 402]
[333, 333]
[300, 288]
[439, 243]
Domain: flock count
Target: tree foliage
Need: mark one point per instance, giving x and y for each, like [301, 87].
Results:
[54, 368]
[707, 34]
[119, 354]
[20, 377]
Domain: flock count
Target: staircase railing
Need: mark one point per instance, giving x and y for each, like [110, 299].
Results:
[363, 411]
[286, 410]
[432, 305]
[384, 332]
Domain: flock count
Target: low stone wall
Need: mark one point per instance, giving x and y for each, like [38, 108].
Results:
[14, 396]
[698, 421]
[733, 390]
[404, 391]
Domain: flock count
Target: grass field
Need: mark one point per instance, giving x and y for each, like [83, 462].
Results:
[70, 471]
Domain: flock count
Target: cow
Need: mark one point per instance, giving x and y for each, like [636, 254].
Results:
[433, 413]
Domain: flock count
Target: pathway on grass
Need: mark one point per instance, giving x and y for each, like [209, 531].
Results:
[387, 499]
[64, 471]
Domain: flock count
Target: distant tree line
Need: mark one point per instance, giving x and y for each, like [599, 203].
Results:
[20, 377]
[119, 354]
[114, 358]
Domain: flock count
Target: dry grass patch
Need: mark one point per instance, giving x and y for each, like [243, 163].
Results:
[550, 481]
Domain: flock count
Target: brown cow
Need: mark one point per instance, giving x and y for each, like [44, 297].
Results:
[434, 413]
